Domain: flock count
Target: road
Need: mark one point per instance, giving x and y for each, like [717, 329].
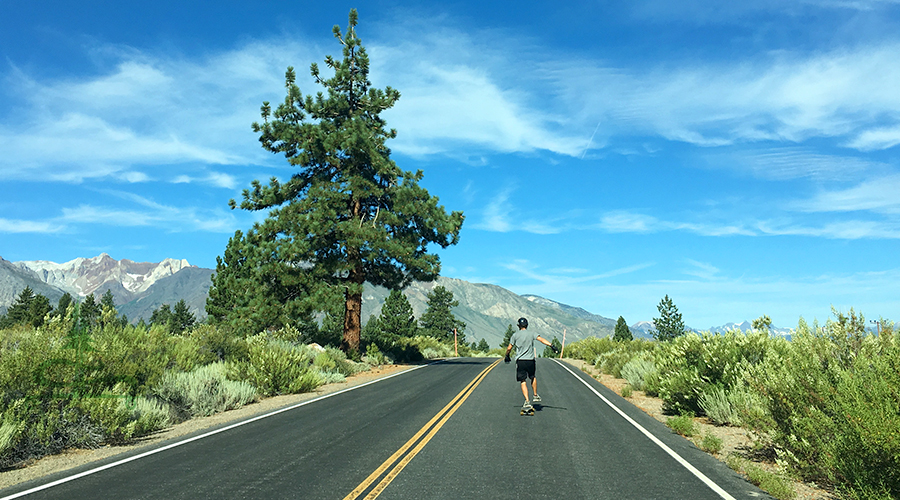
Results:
[446, 430]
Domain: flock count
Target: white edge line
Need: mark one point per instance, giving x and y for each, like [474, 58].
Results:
[204, 435]
[687, 465]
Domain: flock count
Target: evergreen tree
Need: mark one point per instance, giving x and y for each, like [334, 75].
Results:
[38, 309]
[397, 315]
[508, 335]
[182, 318]
[63, 305]
[251, 292]
[107, 300]
[162, 316]
[349, 214]
[622, 331]
[28, 309]
[483, 346]
[548, 352]
[669, 324]
[20, 311]
[108, 308]
[438, 320]
[89, 311]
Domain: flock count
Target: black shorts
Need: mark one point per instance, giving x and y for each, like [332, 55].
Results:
[524, 369]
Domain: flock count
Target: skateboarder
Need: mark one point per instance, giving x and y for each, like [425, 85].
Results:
[523, 341]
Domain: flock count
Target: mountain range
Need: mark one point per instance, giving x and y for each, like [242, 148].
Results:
[139, 288]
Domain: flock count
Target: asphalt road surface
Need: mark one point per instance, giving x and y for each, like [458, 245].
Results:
[450, 430]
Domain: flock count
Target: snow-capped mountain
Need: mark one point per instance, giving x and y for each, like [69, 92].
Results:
[81, 277]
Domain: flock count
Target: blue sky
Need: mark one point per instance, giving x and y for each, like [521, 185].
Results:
[742, 159]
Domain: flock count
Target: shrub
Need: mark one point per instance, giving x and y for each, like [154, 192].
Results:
[711, 444]
[218, 343]
[121, 418]
[692, 364]
[626, 391]
[831, 402]
[276, 367]
[682, 424]
[773, 484]
[136, 355]
[203, 391]
[374, 356]
[590, 348]
[637, 371]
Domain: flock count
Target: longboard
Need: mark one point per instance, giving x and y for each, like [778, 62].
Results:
[529, 412]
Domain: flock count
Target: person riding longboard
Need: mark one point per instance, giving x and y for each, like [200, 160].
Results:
[523, 341]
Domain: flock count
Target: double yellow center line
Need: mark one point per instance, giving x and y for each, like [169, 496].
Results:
[393, 465]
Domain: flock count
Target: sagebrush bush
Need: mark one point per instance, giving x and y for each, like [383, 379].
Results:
[121, 418]
[430, 347]
[711, 443]
[638, 370]
[832, 404]
[590, 348]
[682, 424]
[692, 364]
[203, 391]
[136, 355]
[612, 361]
[276, 367]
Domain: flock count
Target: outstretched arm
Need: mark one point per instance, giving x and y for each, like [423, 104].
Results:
[544, 341]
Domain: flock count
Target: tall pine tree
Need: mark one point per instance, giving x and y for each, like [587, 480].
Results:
[669, 324]
[438, 320]
[622, 332]
[349, 214]
[397, 316]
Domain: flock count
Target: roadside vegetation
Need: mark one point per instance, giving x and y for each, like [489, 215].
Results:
[80, 376]
[824, 405]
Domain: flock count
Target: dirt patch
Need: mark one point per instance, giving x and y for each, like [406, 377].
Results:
[77, 457]
[735, 440]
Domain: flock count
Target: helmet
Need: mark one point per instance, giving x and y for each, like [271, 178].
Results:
[523, 323]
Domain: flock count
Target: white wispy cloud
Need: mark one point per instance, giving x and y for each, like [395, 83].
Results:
[28, 226]
[879, 195]
[788, 163]
[462, 90]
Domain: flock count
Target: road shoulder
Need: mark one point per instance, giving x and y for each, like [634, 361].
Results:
[73, 458]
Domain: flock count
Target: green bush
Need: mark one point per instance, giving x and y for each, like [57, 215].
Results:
[203, 391]
[276, 367]
[693, 364]
[612, 361]
[626, 391]
[135, 355]
[590, 348]
[711, 444]
[638, 370]
[831, 402]
[772, 484]
[682, 424]
[374, 356]
[121, 418]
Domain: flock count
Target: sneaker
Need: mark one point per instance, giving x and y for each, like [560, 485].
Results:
[527, 406]
[536, 398]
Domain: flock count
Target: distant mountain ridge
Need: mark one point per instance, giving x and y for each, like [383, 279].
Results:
[139, 288]
[646, 327]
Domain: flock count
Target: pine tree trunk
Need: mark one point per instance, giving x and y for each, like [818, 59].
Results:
[352, 320]
[353, 304]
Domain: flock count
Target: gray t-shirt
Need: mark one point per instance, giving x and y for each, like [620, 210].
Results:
[523, 341]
